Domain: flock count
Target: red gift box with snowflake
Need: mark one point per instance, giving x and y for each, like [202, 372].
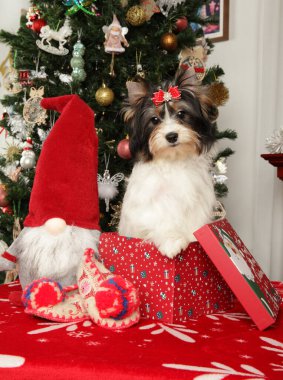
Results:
[241, 271]
[171, 290]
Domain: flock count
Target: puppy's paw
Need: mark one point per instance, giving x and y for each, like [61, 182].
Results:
[172, 247]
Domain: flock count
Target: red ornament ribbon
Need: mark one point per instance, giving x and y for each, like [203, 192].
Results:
[161, 96]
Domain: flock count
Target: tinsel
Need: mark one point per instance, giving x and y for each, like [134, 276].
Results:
[17, 124]
[274, 144]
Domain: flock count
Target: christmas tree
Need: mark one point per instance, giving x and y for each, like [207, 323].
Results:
[79, 57]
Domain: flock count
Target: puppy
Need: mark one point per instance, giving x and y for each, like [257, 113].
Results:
[170, 192]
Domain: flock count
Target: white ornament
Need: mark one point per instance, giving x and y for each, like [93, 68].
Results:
[166, 5]
[107, 185]
[27, 160]
[66, 78]
[41, 74]
[274, 144]
[219, 170]
[47, 34]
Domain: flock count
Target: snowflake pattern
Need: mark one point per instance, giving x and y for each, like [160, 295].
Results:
[175, 330]
[219, 369]
[275, 345]
[80, 334]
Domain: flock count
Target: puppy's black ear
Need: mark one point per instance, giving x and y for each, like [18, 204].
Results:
[136, 90]
[186, 79]
[208, 108]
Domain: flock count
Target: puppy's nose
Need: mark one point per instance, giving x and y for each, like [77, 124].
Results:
[172, 137]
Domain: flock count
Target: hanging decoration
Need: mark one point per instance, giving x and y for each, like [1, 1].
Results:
[274, 144]
[107, 185]
[140, 72]
[27, 160]
[33, 113]
[114, 38]
[86, 6]
[166, 5]
[123, 149]
[39, 72]
[169, 42]
[25, 77]
[47, 35]
[3, 196]
[195, 58]
[219, 170]
[35, 22]
[136, 15]
[181, 24]
[104, 95]
[150, 8]
[77, 62]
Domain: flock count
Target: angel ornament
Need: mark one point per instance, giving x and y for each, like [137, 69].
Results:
[114, 38]
[107, 185]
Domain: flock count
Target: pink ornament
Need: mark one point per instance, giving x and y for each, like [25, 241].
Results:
[115, 37]
[123, 149]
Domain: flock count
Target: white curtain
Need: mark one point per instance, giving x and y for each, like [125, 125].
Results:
[268, 199]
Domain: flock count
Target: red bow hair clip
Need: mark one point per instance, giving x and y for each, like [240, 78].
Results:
[161, 96]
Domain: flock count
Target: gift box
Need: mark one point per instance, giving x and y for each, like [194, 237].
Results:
[241, 272]
[171, 290]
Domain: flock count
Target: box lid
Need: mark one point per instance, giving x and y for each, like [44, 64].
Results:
[241, 271]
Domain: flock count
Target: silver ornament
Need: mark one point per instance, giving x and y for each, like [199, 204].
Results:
[27, 160]
[107, 185]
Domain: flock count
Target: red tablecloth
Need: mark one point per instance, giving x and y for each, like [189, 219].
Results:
[218, 346]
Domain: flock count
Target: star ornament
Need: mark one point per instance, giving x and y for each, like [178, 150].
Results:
[161, 96]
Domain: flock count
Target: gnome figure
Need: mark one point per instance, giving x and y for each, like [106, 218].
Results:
[63, 217]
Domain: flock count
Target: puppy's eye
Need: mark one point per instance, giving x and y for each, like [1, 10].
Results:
[154, 120]
[181, 115]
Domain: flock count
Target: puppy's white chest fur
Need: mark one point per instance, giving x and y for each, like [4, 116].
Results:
[166, 201]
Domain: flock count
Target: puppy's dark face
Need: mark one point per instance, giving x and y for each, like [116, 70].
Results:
[174, 129]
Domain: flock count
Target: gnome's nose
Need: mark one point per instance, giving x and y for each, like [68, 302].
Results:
[55, 225]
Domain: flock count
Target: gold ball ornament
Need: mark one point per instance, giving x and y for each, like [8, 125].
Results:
[169, 42]
[104, 95]
[136, 15]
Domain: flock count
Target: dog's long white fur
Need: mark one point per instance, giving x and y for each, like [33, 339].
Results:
[166, 201]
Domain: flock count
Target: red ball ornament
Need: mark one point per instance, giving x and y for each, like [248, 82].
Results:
[181, 24]
[3, 196]
[123, 149]
[7, 210]
[38, 24]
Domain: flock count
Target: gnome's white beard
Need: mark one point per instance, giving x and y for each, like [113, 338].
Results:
[41, 254]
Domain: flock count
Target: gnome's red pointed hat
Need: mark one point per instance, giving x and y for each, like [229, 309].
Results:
[65, 184]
